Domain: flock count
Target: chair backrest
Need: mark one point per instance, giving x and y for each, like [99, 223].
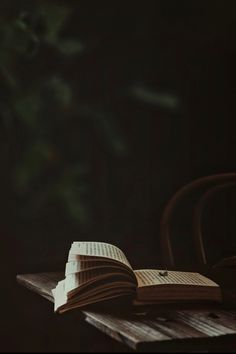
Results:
[213, 183]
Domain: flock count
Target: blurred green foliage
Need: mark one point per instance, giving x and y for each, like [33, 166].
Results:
[47, 125]
[106, 109]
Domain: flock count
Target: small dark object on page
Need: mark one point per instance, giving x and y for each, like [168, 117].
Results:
[164, 273]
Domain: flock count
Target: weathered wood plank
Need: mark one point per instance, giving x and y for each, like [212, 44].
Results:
[201, 321]
[158, 326]
[41, 283]
[175, 328]
[226, 318]
[128, 331]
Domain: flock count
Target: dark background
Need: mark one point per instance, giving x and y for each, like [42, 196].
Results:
[106, 109]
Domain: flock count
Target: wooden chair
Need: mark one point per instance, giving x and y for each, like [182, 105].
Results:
[212, 184]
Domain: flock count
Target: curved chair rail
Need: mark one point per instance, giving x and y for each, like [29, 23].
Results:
[177, 197]
[197, 219]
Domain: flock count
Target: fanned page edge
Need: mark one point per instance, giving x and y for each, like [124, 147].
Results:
[81, 266]
[100, 250]
[77, 280]
[92, 250]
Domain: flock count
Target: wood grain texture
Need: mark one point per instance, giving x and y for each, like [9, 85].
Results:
[41, 283]
[155, 328]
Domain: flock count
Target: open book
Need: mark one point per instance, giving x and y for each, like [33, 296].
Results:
[98, 271]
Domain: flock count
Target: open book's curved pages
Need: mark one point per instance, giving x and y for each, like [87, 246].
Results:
[98, 271]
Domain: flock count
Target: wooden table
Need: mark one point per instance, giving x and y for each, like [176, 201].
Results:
[159, 328]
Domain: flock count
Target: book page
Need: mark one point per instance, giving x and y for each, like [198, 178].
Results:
[75, 280]
[75, 267]
[148, 277]
[99, 249]
[79, 258]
